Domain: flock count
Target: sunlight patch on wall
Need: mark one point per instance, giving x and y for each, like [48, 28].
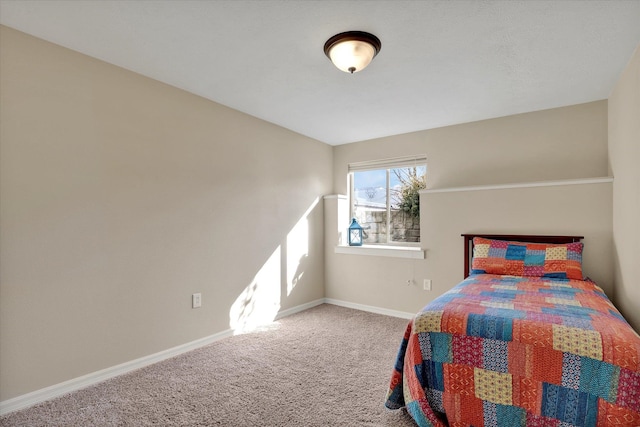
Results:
[259, 303]
[298, 249]
[297, 253]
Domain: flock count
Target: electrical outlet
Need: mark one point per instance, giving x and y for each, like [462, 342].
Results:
[196, 300]
[427, 284]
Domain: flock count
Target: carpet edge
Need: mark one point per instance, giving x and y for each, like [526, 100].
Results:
[370, 308]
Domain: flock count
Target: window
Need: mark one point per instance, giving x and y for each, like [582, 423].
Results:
[385, 200]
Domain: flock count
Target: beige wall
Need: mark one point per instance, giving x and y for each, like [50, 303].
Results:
[624, 157]
[578, 209]
[122, 196]
[562, 143]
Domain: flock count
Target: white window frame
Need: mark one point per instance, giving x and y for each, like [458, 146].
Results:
[388, 164]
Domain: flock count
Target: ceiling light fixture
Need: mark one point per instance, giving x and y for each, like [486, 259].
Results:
[352, 51]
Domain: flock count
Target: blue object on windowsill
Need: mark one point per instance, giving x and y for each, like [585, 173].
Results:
[355, 233]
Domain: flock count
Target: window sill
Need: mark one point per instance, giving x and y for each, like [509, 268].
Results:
[384, 251]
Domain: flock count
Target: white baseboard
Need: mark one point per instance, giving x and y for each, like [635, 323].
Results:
[38, 396]
[35, 397]
[370, 308]
[299, 308]
[29, 399]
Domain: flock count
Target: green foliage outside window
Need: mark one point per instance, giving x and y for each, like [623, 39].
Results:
[407, 198]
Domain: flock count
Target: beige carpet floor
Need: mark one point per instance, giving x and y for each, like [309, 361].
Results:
[327, 366]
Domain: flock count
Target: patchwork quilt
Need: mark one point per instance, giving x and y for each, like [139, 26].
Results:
[519, 351]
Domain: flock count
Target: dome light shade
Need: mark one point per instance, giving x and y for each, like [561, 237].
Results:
[352, 51]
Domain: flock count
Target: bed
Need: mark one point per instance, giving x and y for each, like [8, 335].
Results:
[523, 340]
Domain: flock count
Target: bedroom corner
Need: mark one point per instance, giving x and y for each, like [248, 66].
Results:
[289, 278]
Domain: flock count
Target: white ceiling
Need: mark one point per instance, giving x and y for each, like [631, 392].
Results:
[441, 63]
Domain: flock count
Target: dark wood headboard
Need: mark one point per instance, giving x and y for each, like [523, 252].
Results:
[468, 243]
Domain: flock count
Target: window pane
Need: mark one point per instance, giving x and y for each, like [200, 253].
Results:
[386, 203]
[370, 204]
[405, 184]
